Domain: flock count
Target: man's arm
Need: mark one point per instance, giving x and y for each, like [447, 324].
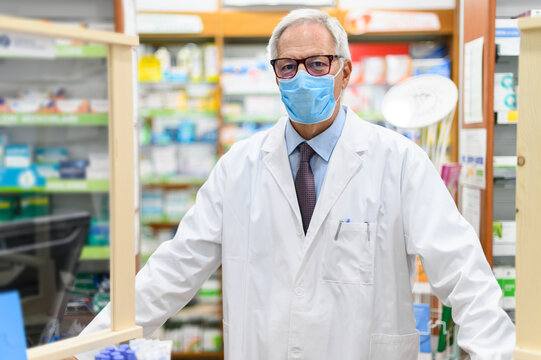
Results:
[454, 262]
[178, 268]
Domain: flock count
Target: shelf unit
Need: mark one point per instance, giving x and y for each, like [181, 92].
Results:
[120, 143]
[54, 119]
[500, 64]
[63, 186]
[99, 69]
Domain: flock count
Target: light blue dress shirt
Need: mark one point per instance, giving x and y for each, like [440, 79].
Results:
[323, 145]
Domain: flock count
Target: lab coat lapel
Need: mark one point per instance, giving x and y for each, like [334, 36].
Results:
[345, 161]
[276, 160]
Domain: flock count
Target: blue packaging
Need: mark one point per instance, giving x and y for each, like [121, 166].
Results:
[422, 319]
[432, 66]
[73, 169]
[18, 156]
[51, 155]
[49, 171]
[186, 132]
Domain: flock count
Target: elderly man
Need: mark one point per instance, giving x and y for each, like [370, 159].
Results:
[317, 223]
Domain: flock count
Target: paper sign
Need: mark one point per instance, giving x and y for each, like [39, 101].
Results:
[360, 21]
[12, 337]
[23, 45]
[169, 24]
[473, 153]
[473, 81]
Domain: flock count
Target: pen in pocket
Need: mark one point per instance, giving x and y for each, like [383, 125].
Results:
[339, 227]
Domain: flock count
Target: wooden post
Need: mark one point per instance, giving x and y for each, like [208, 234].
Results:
[122, 191]
[528, 266]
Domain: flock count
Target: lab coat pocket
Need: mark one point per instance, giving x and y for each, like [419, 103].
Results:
[394, 347]
[349, 253]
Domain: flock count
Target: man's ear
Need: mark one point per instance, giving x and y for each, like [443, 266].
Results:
[346, 71]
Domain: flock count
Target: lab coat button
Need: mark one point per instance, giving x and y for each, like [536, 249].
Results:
[299, 291]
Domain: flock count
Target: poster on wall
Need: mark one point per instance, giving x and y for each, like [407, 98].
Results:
[473, 81]
[472, 155]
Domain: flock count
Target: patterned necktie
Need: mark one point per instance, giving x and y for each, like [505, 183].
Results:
[304, 185]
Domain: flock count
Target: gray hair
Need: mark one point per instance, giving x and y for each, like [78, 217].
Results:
[303, 16]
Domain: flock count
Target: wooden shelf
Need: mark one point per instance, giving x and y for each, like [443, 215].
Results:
[234, 23]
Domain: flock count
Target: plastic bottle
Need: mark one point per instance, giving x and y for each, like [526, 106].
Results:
[130, 355]
[164, 57]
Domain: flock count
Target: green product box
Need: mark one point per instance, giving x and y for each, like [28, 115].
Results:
[34, 205]
[98, 234]
[8, 207]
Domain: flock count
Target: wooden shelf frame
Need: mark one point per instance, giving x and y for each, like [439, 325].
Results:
[122, 187]
[476, 26]
[528, 267]
[232, 24]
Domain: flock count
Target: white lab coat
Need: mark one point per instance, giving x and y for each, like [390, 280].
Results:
[317, 297]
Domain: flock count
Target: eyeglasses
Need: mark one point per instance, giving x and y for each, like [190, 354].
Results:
[317, 65]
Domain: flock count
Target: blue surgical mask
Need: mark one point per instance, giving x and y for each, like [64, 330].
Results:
[308, 99]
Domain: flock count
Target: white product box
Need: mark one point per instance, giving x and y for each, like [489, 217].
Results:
[506, 277]
[505, 98]
[507, 37]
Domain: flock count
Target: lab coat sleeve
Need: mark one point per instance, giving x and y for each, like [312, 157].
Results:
[453, 260]
[178, 268]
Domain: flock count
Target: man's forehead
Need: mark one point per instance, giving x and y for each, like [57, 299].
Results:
[305, 39]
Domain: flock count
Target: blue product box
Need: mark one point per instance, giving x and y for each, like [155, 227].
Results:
[162, 138]
[51, 155]
[422, 319]
[49, 171]
[12, 333]
[24, 178]
[18, 156]
[98, 234]
[186, 132]
[432, 66]
[73, 169]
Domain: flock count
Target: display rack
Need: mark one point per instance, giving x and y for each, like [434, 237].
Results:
[122, 202]
[500, 66]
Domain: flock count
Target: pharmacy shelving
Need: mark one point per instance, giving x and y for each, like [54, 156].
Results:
[62, 51]
[48, 103]
[501, 120]
[149, 113]
[53, 119]
[62, 186]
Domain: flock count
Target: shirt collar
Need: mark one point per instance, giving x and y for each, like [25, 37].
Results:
[324, 143]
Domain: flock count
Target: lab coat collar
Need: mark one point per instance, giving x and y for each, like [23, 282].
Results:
[354, 134]
[277, 162]
[343, 164]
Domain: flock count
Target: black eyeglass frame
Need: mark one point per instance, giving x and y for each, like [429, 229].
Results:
[299, 61]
